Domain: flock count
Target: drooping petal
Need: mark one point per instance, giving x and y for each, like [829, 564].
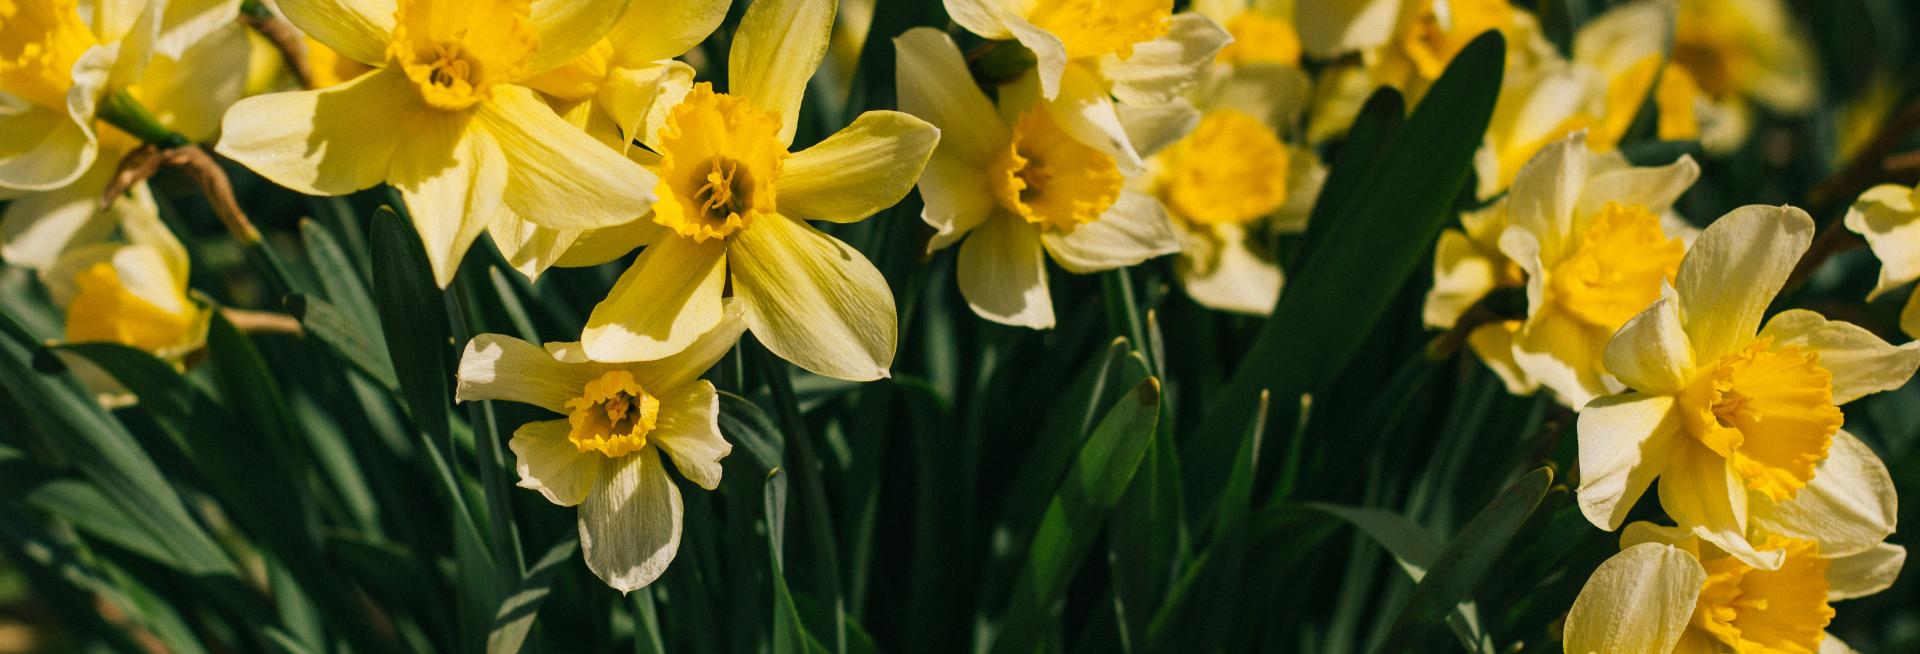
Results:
[677, 370]
[859, 170]
[664, 30]
[934, 84]
[1650, 353]
[1135, 229]
[359, 29]
[1887, 218]
[529, 248]
[500, 367]
[1848, 507]
[567, 28]
[1865, 573]
[814, 300]
[630, 523]
[1161, 69]
[331, 141]
[1625, 441]
[1003, 274]
[775, 51]
[1703, 492]
[689, 431]
[451, 178]
[558, 176]
[665, 300]
[1732, 272]
[1861, 363]
[550, 463]
[1638, 601]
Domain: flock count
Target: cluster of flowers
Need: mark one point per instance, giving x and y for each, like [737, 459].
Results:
[1096, 133]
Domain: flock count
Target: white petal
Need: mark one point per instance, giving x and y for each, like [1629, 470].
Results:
[41, 149]
[958, 198]
[1886, 216]
[1861, 363]
[1134, 230]
[1655, 188]
[37, 228]
[1003, 273]
[499, 367]
[630, 523]
[1161, 69]
[1233, 278]
[1865, 573]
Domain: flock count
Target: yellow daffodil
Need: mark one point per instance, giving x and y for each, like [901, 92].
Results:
[1017, 184]
[605, 455]
[134, 292]
[1588, 232]
[444, 116]
[615, 91]
[1741, 424]
[1467, 266]
[1144, 52]
[1616, 58]
[733, 209]
[1726, 54]
[59, 65]
[1888, 216]
[185, 90]
[1666, 591]
[1262, 30]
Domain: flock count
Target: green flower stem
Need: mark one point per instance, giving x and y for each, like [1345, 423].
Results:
[122, 111]
[806, 470]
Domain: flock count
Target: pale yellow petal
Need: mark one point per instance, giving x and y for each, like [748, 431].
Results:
[530, 249]
[1493, 344]
[689, 432]
[359, 29]
[1233, 278]
[1050, 53]
[859, 170]
[982, 17]
[332, 141]
[1152, 128]
[598, 246]
[699, 357]
[451, 178]
[814, 300]
[40, 149]
[1732, 272]
[550, 463]
[1650, 353]
[958, 198]
[1848, 507]
[1910, 315]
[1461, 276]
[1003, 273]
[651, 31]
[1652, 187]
[1625, 441]
[1861, 363]
[630, 523]
[1161, 69]
[558, 176]
[666, 299]
[1335, 27]
[1563, 354]
[1544, 196]
[933, 83]
[1887, 218]
[1135, 229]
[1702, 492]
[567, 28]
[500, 367]
[1638, 601]
[1865, 573]
[775, 50]
[191, 93]
[1085, 111]
[37, 228]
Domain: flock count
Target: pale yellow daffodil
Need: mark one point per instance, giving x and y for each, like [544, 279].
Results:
[1728, 54]
[606, 455]
[1018, 187]
[1888, 216]
[131, 292]
[1591, 235]
[1467, 266]
[1741, 424]
[444, 117]
[1668, 592]
[733, 209]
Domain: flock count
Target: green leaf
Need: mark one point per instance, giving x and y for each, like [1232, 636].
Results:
[515, 619]
[413, 317]
[342, 280]
[1092, 488]
[361, 346]
[1466, 561]
[1377, 237]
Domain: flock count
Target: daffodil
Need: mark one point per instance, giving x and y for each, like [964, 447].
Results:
[1017, 186]
[1888, 216]
[1467, 267]
[132, 292]
[733, 209]
[1616, 58]
[444, 116]
[1740, 423]
[1588, 232]
[606, 455]
[615, 91]
[1263, 31]
[186, 91]
[1666, 591]
[60, 65]
[1726, 55]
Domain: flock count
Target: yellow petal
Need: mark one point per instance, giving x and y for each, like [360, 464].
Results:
[1493, 344]
[1543, 198]
[859, 170]
[1848, 507]
[1861, 363]
[1161, 69]
[1650, 353]
[37, 228]
[958, 197]
[1231, 277]
[1910, 315]
[1085, 111]
[1003, 274]
[689, 431]
[332, 141]
[1049, 52]
[1340, 26]
[664, 30]
[1625, 441]
[451, 178]
[550, 463]
[598, 246]
[982, 17]
[558, 176]
[568, 27]
[637, 99]
[934, 84]
[1652, 187]
[1863, 574]
[500, 367]
[699, 357]
[814, 300]
[1886, 216]
[529, 248]
[41, 149]
[1461, 276]
[630, 523]
[669, 297]
[359, 29]
[1564, 354]
[775, 50]
[1732, 272]
[1703, 492]
[1640, 600]
[1135, 229]
[190, 94]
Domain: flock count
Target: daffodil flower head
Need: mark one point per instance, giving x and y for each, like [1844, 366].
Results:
[1739, 423]
[1668, 591]
[1021, 182]
[40, 41]
[1588, 231]
[1467, 267]
[605, 456]
[1730, 53]
[1263, 31]
[1144, 52]
[57, 65]
[1888, 217]
[732, 209]
[1227, 171]
[456, 52]
[133, 291]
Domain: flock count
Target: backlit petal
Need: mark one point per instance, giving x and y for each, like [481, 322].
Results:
[859, 170]
[666, 299]
[1732, 272]
[500, 367]
[550, 463]
[814, 300]
[1135, 229]
[630, 523]
[1625, 441]
[451, 178]
[1861, 363]
[1848, 507]
[1003, 273]
[1865, 573]
[689, 431]
[559, 176]
[1650, 353]
[359, 29]
[567, 28]
[775, 50]
[332, 141]
[1638, 601]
